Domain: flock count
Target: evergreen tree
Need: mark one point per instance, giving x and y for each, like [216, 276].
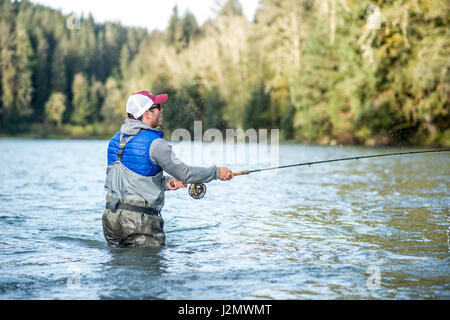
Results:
[82, 107]
[8, 73]
[54, 108]
[257, 111]
[23, 80]
[41, 80]
[112, 111]
[97, 95]
[231, 8]
[58, 67]
[125, 57]
[189, 29]
[174, 30]
[214, 106]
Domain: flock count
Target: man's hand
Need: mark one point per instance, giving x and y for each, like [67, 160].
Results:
[225, 174]
[174, 184]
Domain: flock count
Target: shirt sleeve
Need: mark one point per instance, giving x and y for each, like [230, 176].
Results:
[161, 154]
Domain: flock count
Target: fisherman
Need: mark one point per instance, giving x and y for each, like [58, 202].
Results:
[135, 184]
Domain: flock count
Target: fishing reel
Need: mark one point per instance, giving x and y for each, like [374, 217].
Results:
[197, 190]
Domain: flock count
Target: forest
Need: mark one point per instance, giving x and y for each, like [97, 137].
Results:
[325, 72]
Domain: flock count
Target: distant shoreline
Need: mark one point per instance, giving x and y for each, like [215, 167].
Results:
[282, 141]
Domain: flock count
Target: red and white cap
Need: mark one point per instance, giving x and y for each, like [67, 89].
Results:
[141, 101]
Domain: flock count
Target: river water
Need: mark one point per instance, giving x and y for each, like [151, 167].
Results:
[367, 229]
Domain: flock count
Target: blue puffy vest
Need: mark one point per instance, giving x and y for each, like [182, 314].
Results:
[136, 155]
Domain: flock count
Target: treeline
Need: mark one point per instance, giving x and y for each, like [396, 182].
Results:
[328, 71]
[53, 73]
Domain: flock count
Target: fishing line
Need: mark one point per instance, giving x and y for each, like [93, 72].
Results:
[198, 190]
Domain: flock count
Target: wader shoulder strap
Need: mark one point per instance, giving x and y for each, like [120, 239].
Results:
[123, 143]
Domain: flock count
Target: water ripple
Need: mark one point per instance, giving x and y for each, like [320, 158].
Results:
[302, 233]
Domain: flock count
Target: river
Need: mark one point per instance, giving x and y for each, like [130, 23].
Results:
[366, 229]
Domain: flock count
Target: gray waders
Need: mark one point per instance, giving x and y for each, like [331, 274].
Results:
[131, 223]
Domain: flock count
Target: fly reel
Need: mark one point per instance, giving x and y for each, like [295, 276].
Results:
[197, 190]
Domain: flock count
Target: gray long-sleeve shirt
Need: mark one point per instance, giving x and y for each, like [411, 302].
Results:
[161, 154]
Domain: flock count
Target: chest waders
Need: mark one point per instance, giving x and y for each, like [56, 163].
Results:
[116, 203]
[127, 222]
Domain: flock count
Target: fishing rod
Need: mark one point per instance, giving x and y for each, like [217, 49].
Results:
[198, 190]
[341, 159]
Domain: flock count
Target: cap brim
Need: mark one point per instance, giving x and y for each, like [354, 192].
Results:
[161, 98]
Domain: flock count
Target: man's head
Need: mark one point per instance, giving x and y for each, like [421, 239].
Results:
[146, 107]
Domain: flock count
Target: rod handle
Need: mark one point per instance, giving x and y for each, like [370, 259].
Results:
[241, 173]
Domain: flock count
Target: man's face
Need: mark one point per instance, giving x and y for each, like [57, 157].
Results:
[155, 115]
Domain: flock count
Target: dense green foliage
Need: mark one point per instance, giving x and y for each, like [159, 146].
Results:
[51, 73]
[316, 69]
